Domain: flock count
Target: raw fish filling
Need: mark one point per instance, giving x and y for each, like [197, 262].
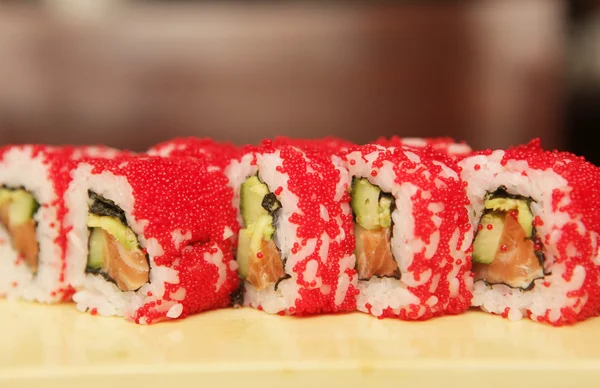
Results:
[114, 250]
[506, 249]
[17, 208]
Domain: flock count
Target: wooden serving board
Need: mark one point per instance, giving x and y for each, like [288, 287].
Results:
[43, 346]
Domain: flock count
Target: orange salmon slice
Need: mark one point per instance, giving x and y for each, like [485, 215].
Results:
[515, 262]
[23, 237]
[129, 269]
[374, 253]
[265, 267]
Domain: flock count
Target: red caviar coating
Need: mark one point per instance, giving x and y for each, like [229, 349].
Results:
[327, 145]
[66, 292]
[218, 154]
[185, 195]
[444, 145]
[538, 221]
[432, 187]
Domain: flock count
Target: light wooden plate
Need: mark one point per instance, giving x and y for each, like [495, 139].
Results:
[43, 346]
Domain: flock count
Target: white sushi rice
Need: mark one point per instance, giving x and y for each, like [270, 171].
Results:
[95, 292]
[539, 185]
[20, 168]
[269, 299]
[383, 293]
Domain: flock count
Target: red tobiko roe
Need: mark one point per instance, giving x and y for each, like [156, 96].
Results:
[314, 181]
[182, 194]
[218, 154]
[438, 144]
[454, 215]
[328, 145]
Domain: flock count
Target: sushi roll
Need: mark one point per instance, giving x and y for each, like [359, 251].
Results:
[295, 241]
[412, 233]
[150, 237]
[535, 252]
[445, 145]
[33, 179]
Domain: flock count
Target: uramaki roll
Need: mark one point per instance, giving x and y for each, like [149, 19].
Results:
[150, 237]
[535, 253]
[412, 233]
[295, 243]
[33, 179]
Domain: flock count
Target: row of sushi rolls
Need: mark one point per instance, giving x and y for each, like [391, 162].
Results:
[405, 228]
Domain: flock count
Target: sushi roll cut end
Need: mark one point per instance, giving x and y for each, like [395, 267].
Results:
[114, 251]
[506, 248]
[17, 209]
[258, 257]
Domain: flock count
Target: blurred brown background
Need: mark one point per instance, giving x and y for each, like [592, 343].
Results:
[131, 74]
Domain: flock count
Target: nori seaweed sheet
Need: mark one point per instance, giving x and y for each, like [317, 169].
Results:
[237, 296]
[270, 203]
[105, 207]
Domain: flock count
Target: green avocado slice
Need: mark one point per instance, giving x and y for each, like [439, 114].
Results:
[487, 240]
[252, 194]
[365, 203]
[372, 208]
[525, 217]
[96, 252]
[121, 232]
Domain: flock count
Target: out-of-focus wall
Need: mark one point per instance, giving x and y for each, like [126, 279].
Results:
[134, 74]
[583, 86]
[518, 83]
